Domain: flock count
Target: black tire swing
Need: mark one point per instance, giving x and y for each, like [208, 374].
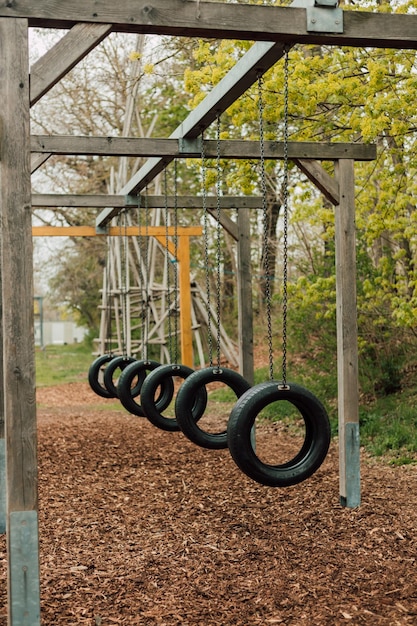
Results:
[98, 366]
[241, 432]
[133, 376]
[158, 378]
[197, 381]
[119, 363]
[95, 373]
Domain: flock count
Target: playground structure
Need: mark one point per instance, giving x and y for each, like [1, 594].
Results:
[20, 154]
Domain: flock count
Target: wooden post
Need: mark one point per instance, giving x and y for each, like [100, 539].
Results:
[347, 336]
[2, 439]
[245, 310]
[18, 332]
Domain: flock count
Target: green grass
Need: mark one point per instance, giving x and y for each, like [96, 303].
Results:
[388, 427]
[56, 365]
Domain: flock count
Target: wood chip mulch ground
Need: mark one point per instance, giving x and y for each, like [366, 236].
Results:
[141, 527]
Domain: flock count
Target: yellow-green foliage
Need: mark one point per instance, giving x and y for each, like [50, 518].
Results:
[344, 95]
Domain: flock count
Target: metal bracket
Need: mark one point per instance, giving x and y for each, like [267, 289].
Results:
[190, 146]
[24, 568]
[323, 16]
[132, 200]
[102, 230]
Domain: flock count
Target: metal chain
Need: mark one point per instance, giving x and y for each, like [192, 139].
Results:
[168, 265]
[206, 251]
[175, 261]
[146, 315]
[218, 240]
[142, 282]
[285, 211]
[123, 279]
[108, 294]
[265, 219]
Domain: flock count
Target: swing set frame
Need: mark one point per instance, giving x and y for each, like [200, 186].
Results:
[88, 22]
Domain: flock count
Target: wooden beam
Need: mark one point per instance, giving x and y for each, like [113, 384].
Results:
[219, 20]
[152, 202]
[63, 56]
[347, 337]
[323, 181]
[116, 231]
[36, 160]
[229, 225]
[229, 149]
[18, 332]
[257, 60]
[245, 308]
[3, 504]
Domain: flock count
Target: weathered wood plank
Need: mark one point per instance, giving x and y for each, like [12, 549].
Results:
[229, 225]
[3, 504]
[244, 284]
[37, 159]
[347, 337]
[152, 202]
[323, 181]
[18, 332]
[219, 20]
[17, 288]
[3, 507]
[230, 149]
[63, 56]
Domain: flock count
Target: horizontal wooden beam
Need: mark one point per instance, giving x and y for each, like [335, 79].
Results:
[152, 202]
[191, 148]
[116, 231]
[219, 20]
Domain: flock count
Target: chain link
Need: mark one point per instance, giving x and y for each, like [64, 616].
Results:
[108, 342]
[218, 241]
[285, 211]
[124, 259]
[206, 250]
[265, 219]
[175, 261]
[168, 264]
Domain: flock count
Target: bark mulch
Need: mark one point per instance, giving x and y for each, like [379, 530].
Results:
[141, 527]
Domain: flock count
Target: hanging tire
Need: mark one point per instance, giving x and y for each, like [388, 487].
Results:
[150, 405]
[113, 371]
[130, 387]
[188, 392]
[313, 450]
[97, 368]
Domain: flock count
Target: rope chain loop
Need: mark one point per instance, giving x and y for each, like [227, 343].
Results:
[206, 251]
[218, 241]
[265, 219]
[285, 215]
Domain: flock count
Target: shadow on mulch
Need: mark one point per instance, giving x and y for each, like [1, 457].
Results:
[140, 527]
